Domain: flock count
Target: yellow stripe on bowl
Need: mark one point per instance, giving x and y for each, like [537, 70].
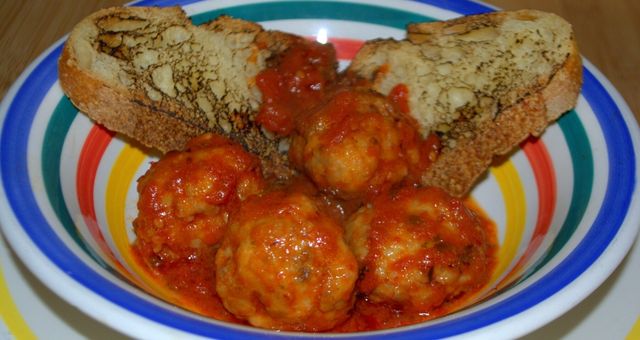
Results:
[10, 313]
[514, 198]
[120, 179]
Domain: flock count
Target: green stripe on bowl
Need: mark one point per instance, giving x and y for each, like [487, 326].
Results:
[582, 160]
[317, 10]
[57, 129]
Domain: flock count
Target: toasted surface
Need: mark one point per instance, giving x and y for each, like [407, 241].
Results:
[152, 75]
[483, 83]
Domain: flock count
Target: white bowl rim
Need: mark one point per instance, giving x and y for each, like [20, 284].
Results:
[563, 299]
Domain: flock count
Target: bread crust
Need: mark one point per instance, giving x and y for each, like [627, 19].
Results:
[135, 116]
[457, 169]
[165, 123]
[447, 91]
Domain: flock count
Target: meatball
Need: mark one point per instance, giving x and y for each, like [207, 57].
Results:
[283, 264]
[418, 249]
[356, 145]
[183, 207]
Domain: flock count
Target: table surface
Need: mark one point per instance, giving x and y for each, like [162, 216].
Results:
[607, 34]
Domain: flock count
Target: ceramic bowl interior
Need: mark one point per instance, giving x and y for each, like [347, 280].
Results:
[565, 205]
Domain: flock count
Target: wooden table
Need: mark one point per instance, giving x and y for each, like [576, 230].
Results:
[608, 34]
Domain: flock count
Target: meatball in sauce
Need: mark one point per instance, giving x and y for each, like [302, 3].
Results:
[352, 243]
[183, 207]
[283, 264]
[419, 250]
[356, 145]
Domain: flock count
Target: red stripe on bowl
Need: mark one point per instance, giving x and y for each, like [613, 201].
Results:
[545, 177]
[92, 151]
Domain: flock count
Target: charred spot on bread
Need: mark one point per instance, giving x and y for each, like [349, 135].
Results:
[464, 74]
[198, 77]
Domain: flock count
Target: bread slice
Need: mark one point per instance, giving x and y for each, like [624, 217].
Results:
[483, 83]
[152, 75]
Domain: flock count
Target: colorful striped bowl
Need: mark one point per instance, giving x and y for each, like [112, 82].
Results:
[566, 205]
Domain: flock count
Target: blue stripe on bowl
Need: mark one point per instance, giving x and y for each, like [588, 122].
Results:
[462, 7]
[14, 137]
[59, 123]
[13, 163]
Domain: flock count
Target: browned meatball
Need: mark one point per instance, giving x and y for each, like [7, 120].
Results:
[419, 248]
[356, 145]
[183, 207]
[283, 264]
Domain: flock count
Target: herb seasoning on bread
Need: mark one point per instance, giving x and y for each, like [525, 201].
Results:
[152, 75]
[483, 83]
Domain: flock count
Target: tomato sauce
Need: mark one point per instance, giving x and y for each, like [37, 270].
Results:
[186, 198]
[298, 81]
[397, 211]
[399, 96]
[429, 147]
[193, 283]
[184, 201]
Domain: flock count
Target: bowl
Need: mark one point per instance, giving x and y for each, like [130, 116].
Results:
[565, 205]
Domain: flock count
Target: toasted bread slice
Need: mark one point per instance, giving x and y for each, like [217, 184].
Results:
[483, 83]
[152, 75]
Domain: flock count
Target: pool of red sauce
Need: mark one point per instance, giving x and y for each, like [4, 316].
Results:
[295, 83]
[366, 316]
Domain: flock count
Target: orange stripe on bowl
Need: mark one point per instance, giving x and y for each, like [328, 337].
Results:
[92, 152]
[542, 167]
[346, 48]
